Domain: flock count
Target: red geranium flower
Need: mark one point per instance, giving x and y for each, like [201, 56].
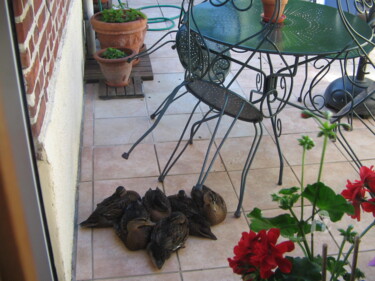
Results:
[355, 194]
[368, 177]
[259, 253]
[369, 206]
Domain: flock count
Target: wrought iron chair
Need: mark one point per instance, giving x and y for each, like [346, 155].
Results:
[207, 64]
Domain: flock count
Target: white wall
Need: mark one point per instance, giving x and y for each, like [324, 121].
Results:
[59, 142]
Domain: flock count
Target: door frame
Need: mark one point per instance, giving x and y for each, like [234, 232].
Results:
[26, 247]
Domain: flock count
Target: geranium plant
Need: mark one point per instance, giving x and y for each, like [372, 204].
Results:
[258, 255]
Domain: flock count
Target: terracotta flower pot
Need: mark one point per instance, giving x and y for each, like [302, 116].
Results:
[115, 71]
[119, 35]
[269, 13]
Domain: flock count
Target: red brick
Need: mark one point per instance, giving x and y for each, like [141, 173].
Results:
[35, 128]
[42, 19]
[36, 36]
[43, 45]
[25, 59]
[24, 27]
[31, 77]
[33, 109]
[37, 4]
[17, 8]
[31, 46]
[51, 66]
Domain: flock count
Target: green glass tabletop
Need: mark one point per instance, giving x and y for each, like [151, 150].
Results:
[309, 29]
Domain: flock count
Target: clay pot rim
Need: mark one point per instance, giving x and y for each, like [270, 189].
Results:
[126, 50]
[97, 15]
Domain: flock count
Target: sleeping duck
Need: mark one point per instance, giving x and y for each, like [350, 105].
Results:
[169, 234]
[198, 224]
[157, 204]
[111, 208]
[135, 226]
[210, 203]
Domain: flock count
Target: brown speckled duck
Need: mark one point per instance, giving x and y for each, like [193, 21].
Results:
[111, 208]
[169, 234]
[198, 224]
[210, 203]
[134, 228]
[157, 204]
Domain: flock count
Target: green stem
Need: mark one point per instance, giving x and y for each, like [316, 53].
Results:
[302, 180]
[338, 258]
[352, 246]
[325, 141]
[306, 249]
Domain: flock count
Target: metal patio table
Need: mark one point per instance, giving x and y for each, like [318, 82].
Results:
[310, 32]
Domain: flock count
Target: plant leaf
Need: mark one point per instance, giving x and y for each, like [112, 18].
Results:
[288, 191]
[326, 199]
[286, 223]
[302, 270]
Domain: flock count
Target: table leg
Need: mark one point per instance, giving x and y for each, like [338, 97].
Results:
[270, 90]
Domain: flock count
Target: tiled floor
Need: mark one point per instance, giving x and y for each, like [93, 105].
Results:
[111, 126]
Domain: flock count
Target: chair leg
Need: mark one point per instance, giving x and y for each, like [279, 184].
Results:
[169, 166]
[195, 127]
[165, 107]
[249, 160]
[203, 175]
[157, 111]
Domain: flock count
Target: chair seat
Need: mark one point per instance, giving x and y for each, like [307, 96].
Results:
[215, 95]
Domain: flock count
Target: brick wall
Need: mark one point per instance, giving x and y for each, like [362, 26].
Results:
[39, 25]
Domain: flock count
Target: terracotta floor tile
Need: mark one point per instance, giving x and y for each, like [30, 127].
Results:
[235, 151]
[86, 164]
[201, 253]
[88, 132]
[166, 65]
[84, 236]
[291, 124]
[113, 259]
[293, 154]
[335, 175]
[190, 161]
[162, 85]
[120, 108]
[217, 181]
[112, 131]
[240, 128]
[110, 126]
[222, 274]
[84, 268]
[108, 163]
[171, 127]
[184, 104]
[261, 184]
[155, 277]
[362, 142]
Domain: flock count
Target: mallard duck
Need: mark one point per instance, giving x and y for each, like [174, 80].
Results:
[134, 227]
[157, 204]
[136, 233]
[211, 204]
[169, 234]
[198, 224]
[111, 208]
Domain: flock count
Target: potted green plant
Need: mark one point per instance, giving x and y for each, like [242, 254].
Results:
[120, 28]
[115, 66]
[269, 13]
